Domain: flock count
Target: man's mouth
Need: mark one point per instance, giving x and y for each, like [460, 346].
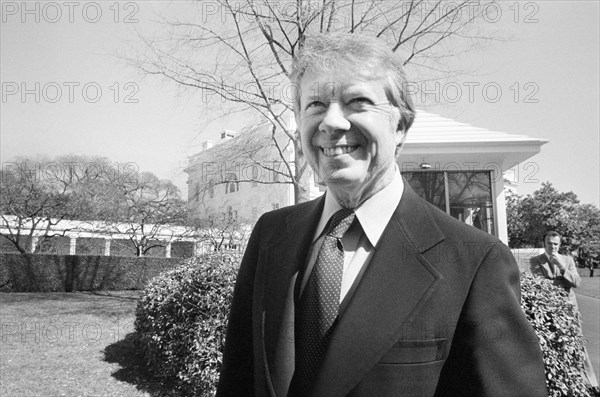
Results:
[338, 150]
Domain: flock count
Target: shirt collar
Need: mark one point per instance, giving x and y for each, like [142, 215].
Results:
[374, 214]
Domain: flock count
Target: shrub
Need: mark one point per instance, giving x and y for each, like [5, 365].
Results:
[558, 327]
[181, 319]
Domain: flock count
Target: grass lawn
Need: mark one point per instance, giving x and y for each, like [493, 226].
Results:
[71, 344]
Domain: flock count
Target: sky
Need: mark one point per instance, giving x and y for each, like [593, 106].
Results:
[65, 92]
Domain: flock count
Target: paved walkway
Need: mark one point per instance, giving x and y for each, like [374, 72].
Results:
[590, 314]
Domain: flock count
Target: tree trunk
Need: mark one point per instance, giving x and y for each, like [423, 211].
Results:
[303, 176]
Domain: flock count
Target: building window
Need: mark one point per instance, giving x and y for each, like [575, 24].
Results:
[229, 213]
[467, 196]
[231, 183]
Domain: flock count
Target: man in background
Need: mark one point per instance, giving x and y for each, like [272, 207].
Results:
[562, 271]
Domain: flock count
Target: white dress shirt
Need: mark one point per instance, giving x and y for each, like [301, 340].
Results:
[362, 237]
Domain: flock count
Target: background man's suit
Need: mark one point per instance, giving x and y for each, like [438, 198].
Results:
[540, 266]
[436, 313]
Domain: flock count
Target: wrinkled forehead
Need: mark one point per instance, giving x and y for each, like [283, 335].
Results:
[331, 81]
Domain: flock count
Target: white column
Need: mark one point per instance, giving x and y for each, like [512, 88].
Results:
[168, 250]
[34, 241]
[72, 245]
[500, 207]
[107, 247]
[199, 248]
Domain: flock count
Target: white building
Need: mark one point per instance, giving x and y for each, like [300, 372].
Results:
[457, 167]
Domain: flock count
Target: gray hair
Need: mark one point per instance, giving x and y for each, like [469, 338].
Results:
[370, 58]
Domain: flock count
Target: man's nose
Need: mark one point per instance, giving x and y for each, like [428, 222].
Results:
[334, 119]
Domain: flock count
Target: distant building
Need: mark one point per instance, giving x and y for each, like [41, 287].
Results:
[455, 166]
[241, 177]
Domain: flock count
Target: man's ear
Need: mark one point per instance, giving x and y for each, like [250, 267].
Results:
[400, 134]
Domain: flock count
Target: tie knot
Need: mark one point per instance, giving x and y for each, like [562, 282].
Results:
[340, 222]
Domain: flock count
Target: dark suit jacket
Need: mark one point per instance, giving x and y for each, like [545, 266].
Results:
[540, 266]
[436, 312]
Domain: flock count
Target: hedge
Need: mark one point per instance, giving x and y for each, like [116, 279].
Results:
[55, 273]
[558, 327]
[181, 320]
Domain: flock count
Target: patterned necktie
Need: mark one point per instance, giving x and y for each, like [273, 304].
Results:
[319, 303]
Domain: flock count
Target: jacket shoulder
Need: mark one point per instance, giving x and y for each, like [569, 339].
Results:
[284, 212]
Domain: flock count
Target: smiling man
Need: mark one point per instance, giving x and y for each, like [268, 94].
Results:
[369, 290]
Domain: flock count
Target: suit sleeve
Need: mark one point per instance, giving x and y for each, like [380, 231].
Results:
[237, 372]
[570, 274]
[494, 351]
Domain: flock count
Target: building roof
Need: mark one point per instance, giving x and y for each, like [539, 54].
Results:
[433, 138]
[433, 128]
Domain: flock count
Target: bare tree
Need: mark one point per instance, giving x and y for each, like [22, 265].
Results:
[223, 233]
[37, 195]
[251, 42]
[46, 198]
[147, 210]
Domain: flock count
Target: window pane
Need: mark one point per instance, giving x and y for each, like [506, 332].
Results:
[471, 199]
[428, 185]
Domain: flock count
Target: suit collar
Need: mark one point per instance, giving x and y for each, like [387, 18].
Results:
[374, 214]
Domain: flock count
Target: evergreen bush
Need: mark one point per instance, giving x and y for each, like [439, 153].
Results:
[558, 327]
[181, 320]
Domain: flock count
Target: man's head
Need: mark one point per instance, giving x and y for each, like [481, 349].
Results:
[352, 111]
[552, 242]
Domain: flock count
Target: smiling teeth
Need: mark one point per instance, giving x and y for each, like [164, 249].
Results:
[336, 151]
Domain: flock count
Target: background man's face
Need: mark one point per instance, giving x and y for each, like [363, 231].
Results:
[349, 131]
[551, 245]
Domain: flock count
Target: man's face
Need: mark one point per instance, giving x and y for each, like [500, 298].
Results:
[551, 245]
[349, 132]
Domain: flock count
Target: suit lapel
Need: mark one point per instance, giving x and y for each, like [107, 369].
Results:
[285, 260]
[546, 266]
[396, 283]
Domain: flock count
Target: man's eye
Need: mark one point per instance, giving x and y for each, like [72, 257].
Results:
[315, 106]
[359, 102]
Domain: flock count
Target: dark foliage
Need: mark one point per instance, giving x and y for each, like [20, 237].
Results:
[68, 273]
[558, 327]
[181, 320]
